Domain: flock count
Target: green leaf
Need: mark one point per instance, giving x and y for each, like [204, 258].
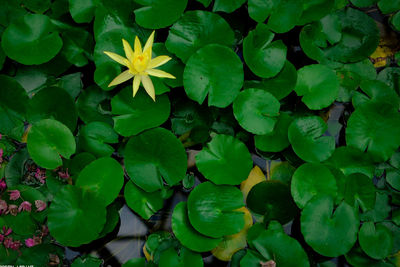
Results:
[136, 114]
[259, 10]
[21, 224]
[310, 180]
[71, 83]
[264, 57]
[279, 86]
[212, 209]
[363, 3]
[277, 140]
[174, 66]
[37, 6]
[38, 254]
[395, 20]
[47, 141]
[87, 261]
[94, 137]
[375, 240]
[112, 218]
[31, 40]
[227, 6]
[318, 86]
[315, 10]
[186, 234]
[75, 217]
[153, 156]
[274, 244]
[391, 76]
[53, 103]
[158, 14]
[381, 210]
[143, 203]
[78, 46]
[376, 91]
[225, 160]
[216, 71]
[273, 200]
[308, 142]
[196, 29]
[135, 262]
[374, 127]
[82, 10]
[185, 257]
[90, 105]
[360, 191]
[388, 6]
[103, 177]
[15, 168]
[256, 111]
[329, 233]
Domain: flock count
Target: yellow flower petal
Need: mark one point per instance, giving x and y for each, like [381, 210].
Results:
[158, 61]
[124, 76]
[128, 50]
[149, 43]
[138, 47]
[136, 83]
[148, 86]
[160, 73]
[116, 57]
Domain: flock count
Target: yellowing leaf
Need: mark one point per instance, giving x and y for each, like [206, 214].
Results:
[147, 254]
[256, 176]
[388, 46]
[233, 243]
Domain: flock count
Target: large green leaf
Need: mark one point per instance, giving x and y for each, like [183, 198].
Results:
[82, 10]
[318, 86]
[143, 203]
[75, 217]
[103, 177]
[225, 160]
[375, 240]
[360, 191]
[185, 257]
[187, 235]
[90, 105]
[227, 6]
[95, 138]
[136, 114]
[53, 103]
[308, 142]
[153, 156]
[330, 233]
[31, 40]
[156, 14]
[388, 6]
[47, 141]
[264, 57]
[196, 29]
[374, 127]
[216, 71]
[213, 209]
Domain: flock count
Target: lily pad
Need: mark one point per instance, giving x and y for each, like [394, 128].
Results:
[374, 127]
[75, 217]
[264, 57]
[156, 14]
[82, 10]
[136, 114]
[308, 141]
[47, 141]
[196, 29]
[277, 140]
[90, 105]
[185, 257]
[53, 103]
[360, 191]
[273, 200]
[214, 209]
[225, 160]
[216, 71]
[375, 240]
[227, 6]
[187, 235]
[95, 138]
[153, 156]
[310, 180]
[143, 203]
[256, 111]
[103, 177]
[330, 233]
[31, 40]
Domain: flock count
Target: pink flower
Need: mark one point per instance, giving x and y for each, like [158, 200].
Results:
[64, 175]
[16, 245]
[25, 206]
[14, 194]
[40, 175]
[0, 136]
[3, 184]
[40, 205]
[8, 242]
[30, 242]
[3, 206]
[1, 238]
[12, 209]
[6, 231]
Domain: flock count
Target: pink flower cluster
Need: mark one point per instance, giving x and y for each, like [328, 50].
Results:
[40, 175]
[7, 240]
[24, 206]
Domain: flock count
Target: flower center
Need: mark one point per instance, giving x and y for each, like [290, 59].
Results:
[140, 62]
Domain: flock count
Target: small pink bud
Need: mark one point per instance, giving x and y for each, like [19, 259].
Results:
[14, 194]
[12, 209]
[3, 184]
[64, 175]
[40, 205]
[30, 242]
[40, 175]
[1, 238]
[8, 232]
[3, 206]
[8, 242]
[25, 206]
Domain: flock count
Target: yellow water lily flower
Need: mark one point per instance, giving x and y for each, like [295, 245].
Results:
[140, 66]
